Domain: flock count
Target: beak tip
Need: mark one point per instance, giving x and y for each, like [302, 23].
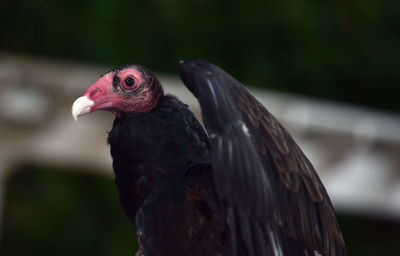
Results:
[81, 106]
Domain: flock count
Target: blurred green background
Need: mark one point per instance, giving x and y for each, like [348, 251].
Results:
[51, 211]
[340, 50]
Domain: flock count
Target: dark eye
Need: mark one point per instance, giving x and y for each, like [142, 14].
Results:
[129, 82]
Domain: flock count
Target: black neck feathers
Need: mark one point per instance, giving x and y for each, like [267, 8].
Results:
[148, 148]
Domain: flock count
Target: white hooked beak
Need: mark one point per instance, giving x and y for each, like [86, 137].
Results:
[81, 107]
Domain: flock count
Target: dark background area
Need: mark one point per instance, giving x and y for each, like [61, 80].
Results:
[346, 51]
[51, 211]
[339, 50]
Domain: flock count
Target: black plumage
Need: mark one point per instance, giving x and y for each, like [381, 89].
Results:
[246, 188]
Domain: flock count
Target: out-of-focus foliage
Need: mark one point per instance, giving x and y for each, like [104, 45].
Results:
[52, 212]
[367, 236]
[342, 50]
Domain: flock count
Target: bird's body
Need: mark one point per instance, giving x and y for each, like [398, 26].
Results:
[246, 188]
[167, 180]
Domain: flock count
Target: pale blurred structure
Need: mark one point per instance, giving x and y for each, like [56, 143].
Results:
[356, 151]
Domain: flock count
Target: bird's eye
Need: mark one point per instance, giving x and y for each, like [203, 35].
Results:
[129, 82]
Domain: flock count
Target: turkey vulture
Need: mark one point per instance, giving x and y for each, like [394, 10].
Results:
[242, 187]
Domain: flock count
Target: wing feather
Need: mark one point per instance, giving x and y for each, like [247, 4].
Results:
[269, 192]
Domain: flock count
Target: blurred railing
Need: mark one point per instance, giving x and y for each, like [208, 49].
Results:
[356, 151]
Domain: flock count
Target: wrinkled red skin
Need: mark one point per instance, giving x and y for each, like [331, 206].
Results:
[120, 98]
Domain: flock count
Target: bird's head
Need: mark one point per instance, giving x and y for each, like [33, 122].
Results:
[129, 89]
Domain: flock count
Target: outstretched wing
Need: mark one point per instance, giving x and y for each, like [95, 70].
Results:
[270, 194]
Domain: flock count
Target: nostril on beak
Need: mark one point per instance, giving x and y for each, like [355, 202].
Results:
[94, 92]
